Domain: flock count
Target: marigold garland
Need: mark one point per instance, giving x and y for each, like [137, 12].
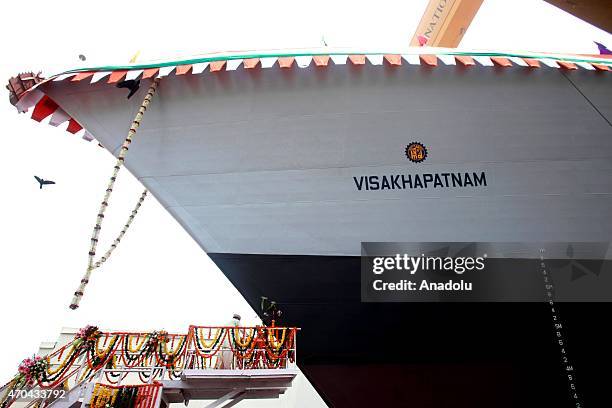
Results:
[272, 342]
[139, 346]
[203, 350]
[62, 365]
[127, 396]
[103, 396]
[240, 342]
[214, 341]
[92, 351]
[105, 352]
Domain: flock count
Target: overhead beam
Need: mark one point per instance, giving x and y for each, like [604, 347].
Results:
[444, 22]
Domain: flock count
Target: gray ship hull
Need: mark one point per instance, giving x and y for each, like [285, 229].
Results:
[281, 174]
[313, 162]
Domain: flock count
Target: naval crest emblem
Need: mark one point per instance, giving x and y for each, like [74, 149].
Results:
[416, 152]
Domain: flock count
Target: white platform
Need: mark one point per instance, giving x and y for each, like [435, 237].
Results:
[227, 386]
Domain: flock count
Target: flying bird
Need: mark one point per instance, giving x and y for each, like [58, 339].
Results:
[132, 84]
[42, 182]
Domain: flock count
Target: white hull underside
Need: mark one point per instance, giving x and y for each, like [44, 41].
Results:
[263, 162]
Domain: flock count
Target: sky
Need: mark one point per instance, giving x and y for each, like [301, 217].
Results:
[159, 278]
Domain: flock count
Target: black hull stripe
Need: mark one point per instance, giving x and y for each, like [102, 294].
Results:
[420, 354]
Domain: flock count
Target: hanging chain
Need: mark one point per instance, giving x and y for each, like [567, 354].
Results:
[91, 265]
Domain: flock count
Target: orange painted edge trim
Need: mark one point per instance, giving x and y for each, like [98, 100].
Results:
[533, 63]
[116, 76]
[183, 69]
[321, 60]
[601, 67]
[430, 60]
[567, 65]
[394, 59]
[216, 66]
[286, 62]
[81, 76]
[357, 59]
[465, 60]
[250, 63]
[501, 61]
[150, 73]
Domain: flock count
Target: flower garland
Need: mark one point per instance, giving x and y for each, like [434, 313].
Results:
[215, 340]
[133, 356]
[103, 397]
[146, 377]
[105, 352]
[61, 367]
[91, 264]
[6, 400]
[51, 380]
[29, 372]
[243, 343]
[95, 359]
[127, 396]
[272, 342]
[84, 341]
[169, 358]
[92, 350]
[32, 370]
[245, 349]
[88, 333]
[138, 347]
[207, 351]
[111, 376]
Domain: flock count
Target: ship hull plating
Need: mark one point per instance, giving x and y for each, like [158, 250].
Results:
[281, 174]
[425, 354]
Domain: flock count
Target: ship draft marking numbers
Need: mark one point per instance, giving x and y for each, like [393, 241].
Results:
[558, 326]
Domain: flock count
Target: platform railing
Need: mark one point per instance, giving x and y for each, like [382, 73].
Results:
[116, 358]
